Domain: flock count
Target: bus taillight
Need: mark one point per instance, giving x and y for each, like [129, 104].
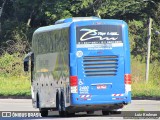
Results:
[74, 84]
[127, 78]
[73, 81]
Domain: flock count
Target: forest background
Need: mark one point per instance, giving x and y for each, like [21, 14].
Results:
[19, 19]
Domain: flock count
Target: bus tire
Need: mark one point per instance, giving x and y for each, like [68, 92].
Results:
[44, 112]
[105, 112]
[37, 101]
[70, 114]
[90, 112]
[62, 111]
[57, 101]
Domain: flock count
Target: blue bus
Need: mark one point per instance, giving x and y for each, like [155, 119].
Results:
[80, 64]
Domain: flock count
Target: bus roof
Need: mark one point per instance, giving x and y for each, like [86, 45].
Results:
[75, 19]
[51, 27]
[64, 23]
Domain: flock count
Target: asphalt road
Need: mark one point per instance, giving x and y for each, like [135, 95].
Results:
[23, 105]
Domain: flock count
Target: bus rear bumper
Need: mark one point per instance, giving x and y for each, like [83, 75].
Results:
[100, 99]
[81, 103]
[95, 107]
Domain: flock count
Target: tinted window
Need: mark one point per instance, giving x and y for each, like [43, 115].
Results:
[99, 34]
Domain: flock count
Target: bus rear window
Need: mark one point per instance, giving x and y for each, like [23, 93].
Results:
[99, 34]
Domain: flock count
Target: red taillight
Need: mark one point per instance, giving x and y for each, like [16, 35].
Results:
[127, 79]
[73, 81]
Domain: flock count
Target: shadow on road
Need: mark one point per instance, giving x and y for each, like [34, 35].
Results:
[146, 98]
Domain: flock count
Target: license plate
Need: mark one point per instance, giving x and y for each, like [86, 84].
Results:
[101, 86]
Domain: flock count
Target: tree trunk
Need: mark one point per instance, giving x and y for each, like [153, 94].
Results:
[1, 11]
[30, 18]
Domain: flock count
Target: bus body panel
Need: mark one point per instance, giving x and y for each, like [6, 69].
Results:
[101, 89]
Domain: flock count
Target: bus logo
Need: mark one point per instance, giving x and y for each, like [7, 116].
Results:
[93, 33]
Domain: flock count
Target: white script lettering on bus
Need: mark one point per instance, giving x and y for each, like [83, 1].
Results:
[93, 33]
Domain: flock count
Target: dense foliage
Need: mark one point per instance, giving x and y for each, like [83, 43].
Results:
[19, 18]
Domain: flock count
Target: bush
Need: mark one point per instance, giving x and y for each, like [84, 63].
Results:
[11, 65]
[139, 86]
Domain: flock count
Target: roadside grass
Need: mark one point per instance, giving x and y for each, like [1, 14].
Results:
[141, 88]
[13, 80]
[14, 86]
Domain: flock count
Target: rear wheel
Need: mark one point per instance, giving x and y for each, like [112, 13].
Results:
[90, 112]
[70, 114]
[105, 112]
[44, 112]
[37, 100]
[57, 101]
[62, 111]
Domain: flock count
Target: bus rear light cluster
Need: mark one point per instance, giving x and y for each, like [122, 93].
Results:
[74, 84]
[73, 81]
[127, 78]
